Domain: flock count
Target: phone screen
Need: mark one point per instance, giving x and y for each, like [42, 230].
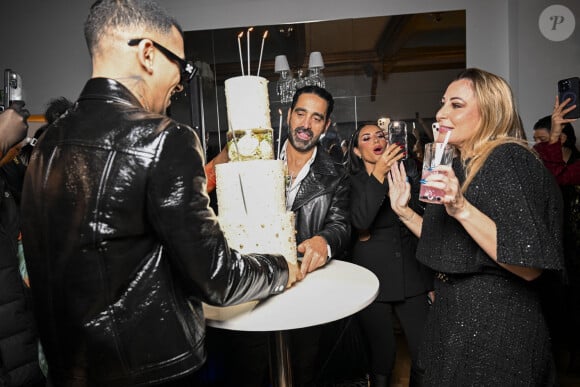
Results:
[397, 133]
[570, 88]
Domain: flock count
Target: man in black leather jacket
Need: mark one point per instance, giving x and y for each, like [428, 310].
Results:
[121, 243]
[318, 191]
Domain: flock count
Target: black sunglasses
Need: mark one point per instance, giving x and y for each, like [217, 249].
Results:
[188, 69]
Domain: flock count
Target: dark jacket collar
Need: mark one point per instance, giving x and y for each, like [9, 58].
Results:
[108, 89]
[323, 164]
[313, 184]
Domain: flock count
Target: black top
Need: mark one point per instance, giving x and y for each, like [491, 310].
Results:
[390, 251]
[515, 190]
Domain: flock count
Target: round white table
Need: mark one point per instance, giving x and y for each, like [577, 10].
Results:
[337, 290]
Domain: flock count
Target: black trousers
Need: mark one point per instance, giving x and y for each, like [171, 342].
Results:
[377, 322]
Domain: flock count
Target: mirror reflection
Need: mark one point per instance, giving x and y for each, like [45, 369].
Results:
[387, 66]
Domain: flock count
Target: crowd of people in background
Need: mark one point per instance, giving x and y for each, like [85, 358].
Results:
[555, 142]
[109, 200]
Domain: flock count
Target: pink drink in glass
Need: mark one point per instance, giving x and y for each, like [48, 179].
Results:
[430, 194]
[435, 154]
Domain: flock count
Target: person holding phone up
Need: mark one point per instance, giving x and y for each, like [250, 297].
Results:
[386, 247]
[556, 144]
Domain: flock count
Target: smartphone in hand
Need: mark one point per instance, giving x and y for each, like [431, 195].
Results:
[570, 88]
[397, 133]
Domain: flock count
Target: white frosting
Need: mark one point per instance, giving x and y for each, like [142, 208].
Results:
[262, 182]
[272, 235]
[247, 103]
[253, 213]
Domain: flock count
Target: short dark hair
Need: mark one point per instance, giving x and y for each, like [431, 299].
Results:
[56, 107]
[544, 123]
[106, 14]
[319, 91]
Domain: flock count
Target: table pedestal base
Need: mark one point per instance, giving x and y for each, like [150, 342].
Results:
[280, 366]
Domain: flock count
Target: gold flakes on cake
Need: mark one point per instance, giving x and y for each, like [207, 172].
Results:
[250, 144]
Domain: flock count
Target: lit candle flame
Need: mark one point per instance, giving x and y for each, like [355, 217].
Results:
[248, 41]
[261, 52]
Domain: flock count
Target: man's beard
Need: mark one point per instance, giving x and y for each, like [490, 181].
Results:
[300, 144]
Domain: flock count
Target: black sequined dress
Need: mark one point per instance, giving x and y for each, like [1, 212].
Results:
[486, 326]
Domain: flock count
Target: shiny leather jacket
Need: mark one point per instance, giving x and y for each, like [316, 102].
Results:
[123, 247]
[322, 205]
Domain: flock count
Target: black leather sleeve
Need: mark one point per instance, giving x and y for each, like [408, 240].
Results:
[180, 211]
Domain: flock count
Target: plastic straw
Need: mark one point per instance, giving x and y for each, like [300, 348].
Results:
[439, 151]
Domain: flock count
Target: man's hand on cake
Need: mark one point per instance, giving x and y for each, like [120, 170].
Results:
[294, 274]
[315, 252]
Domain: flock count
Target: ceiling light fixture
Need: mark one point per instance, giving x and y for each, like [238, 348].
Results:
[287, 84]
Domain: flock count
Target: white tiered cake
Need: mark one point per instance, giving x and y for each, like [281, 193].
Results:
[251, 194]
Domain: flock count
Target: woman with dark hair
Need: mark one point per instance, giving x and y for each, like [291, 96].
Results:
[497, 229]
[386, 247]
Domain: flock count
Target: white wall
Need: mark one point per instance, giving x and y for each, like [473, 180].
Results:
[540, 63]
[487, 21]
[44, 40]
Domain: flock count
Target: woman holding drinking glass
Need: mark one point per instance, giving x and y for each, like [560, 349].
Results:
[387, 248]
[497, 229]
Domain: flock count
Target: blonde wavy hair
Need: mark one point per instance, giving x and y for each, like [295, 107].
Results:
[500, 122]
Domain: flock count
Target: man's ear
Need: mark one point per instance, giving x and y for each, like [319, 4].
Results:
[146, 55]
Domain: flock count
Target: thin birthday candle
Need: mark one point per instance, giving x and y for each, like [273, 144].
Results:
[248, 41]
[240, 50]
[279, 132]
[262, 51]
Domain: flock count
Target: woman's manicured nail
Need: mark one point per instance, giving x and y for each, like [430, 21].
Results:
[422, 181]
